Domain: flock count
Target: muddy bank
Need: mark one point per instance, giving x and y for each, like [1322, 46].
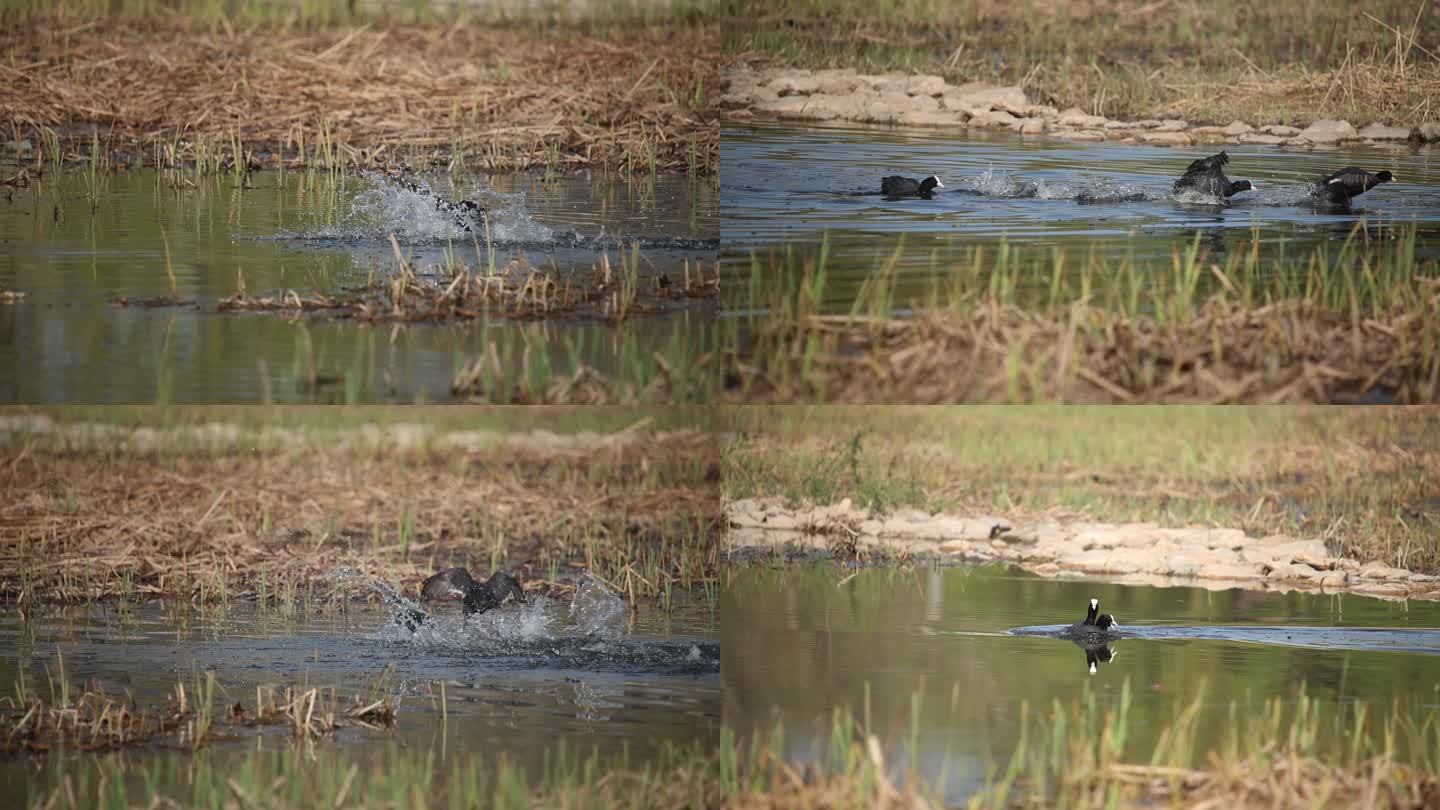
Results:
[842, 94]
[1136, 553]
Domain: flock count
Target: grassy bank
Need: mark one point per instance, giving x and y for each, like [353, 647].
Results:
[1298, 752]
[1022, 326]
[679, 778]
[1288, 63]
[1362, 479]
[317, 85]
[208, 512]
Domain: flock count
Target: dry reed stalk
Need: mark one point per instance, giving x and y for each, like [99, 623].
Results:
[366, 97]
[97, 525]
[518, 291]
[1286, 352]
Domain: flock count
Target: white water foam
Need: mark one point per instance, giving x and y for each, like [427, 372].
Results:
[384, 207]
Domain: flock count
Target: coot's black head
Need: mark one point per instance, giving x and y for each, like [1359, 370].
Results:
[1106, 622]
[929, 184]
[1241, 185]
[1384, 176]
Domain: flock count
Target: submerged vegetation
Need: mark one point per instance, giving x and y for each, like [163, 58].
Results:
[213, 513]
[1018, 326]
[1361, 479]
[318, 85]
[1213, 62]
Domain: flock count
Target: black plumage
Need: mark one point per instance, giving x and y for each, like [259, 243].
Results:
[1349, 183]
[475, 597]
[897, 186]
[1207, 176]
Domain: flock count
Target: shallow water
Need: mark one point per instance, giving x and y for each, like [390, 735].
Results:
[524, 681]
[787, 184]
[939, 641]
[68, 342]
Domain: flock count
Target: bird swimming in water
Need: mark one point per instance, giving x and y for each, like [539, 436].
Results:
[1207, 176]
[1097, 625]
[1348, 183]
[897, 186]
[475, 597]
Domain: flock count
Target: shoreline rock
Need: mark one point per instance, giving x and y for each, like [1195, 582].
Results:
[1132, 553]
[919, 100]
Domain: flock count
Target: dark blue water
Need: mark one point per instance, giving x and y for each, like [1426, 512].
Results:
[786, 183]
[1107, 202]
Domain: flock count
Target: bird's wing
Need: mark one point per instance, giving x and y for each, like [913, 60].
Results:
[445, 584]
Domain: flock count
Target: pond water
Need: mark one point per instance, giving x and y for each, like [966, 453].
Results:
[522, 681]
[787, 184]
[67, 340]
[803, 640]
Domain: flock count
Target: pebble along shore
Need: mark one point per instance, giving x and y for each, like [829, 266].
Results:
[929, 101]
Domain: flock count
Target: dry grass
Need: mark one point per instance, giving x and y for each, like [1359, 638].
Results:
[1296, 752]
[464, 94]
[519, 290]
[1354, 325]
[205, 525]
[769, 782]
[193, 715]
[1208, 62]
[1363, 479]
[1287, 352]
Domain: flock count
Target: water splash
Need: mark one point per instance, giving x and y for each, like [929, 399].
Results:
[588, 633]
[596, 610]
[1191, 196]
[1104, 190]
[412, 214]
[1001, 184]
[384, 207]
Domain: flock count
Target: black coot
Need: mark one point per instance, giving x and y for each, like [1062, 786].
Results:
[475, 597]
[1349, 183]
[1207, 176]
[1096, 625]
[897, 186]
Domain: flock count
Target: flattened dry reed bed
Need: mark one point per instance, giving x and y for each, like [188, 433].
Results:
[528, 367]
[195, 713]
[1211, 62]
[467, 94]
[125, 520]
[519, 290]
[1359, 327]
[1295, 752]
